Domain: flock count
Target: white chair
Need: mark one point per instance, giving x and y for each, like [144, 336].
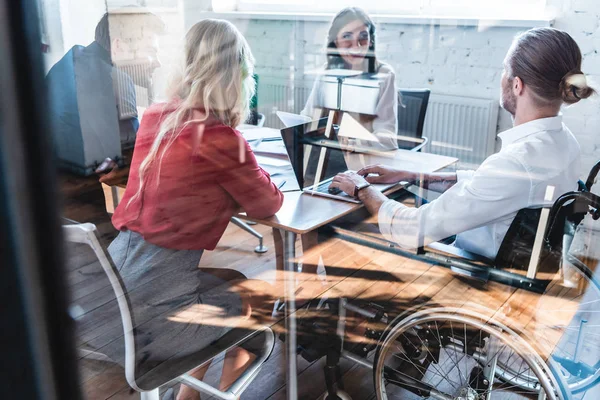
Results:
[148, 379]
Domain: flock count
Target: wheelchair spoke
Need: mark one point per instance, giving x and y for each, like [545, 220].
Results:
[404, 384]
[458, 361]
[437, 371]
[472, 353]
[420, 368]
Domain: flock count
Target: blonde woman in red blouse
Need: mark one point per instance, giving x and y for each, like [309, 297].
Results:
[190, 172]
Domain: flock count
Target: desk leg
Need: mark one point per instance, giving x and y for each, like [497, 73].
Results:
[289, 258]
[278, 245]
[309, 240]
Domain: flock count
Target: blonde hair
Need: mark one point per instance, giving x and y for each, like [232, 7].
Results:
[217, 76]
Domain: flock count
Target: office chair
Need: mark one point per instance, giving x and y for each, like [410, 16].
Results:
[412, 108]
[147, 376]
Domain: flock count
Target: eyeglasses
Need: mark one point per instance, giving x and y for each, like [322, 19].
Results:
[350, 39]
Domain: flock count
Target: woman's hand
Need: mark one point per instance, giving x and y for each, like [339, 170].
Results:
[385, 174]
[347, 181]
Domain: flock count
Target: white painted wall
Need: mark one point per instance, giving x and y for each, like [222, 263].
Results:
[455, 60]
[79, 20]
[50, 11]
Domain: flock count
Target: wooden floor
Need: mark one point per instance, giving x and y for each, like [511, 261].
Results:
[331, 270]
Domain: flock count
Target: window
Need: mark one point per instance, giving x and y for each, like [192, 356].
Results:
[438, 8]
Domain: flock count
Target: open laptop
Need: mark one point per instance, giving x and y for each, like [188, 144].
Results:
[317, 157]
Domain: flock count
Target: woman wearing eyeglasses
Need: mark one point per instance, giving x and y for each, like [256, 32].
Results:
[351, 46]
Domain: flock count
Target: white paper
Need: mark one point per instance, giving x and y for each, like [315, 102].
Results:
[277, 148]
[290, 119]
[351, 128]
[260, 133]
[274, 162]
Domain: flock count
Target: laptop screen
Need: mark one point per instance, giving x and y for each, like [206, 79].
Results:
[313, 154]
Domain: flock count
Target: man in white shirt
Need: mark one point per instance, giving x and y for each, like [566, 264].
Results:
[538, 162]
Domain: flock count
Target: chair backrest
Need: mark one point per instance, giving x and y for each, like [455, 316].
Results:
[592, 177]
[412, 108]
[565, 215]
[87, 234]
[142, 371]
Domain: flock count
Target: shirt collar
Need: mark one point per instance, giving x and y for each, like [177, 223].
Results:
[522, 131]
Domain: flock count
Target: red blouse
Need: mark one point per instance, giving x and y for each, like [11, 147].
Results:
[206, 175]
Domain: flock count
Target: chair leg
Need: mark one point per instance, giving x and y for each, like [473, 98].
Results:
[258, 249]
[151, 395]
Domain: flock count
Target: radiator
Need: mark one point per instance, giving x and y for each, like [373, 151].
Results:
[456, 126]
[133, 79]
[278, 95]
[461, 127]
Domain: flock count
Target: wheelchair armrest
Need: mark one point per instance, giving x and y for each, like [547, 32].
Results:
[592, 176]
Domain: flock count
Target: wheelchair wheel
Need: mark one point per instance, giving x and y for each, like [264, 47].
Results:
[574, 312]
[448, 353]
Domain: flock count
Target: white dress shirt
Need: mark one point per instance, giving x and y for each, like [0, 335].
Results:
[480, 207]
[385, 122]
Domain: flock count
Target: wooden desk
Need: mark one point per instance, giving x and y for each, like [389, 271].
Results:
[303, 213]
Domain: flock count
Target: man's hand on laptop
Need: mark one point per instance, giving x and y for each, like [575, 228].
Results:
[371, 198]
[347, 182]
[382, 174]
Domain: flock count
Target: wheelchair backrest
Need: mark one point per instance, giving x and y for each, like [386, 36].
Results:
[566, 214]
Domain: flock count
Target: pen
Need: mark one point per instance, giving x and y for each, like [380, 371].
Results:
[281, 185]
[256, 144]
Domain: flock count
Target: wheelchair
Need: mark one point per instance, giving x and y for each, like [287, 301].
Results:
[448, 352]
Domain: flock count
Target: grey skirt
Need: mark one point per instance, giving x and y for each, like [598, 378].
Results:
[170, 297]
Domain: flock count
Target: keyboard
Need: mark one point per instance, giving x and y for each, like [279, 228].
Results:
[324, 188]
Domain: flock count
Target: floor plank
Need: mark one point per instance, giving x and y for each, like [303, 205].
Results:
[331, 270]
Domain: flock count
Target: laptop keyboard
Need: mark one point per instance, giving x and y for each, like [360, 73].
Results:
[324, 188]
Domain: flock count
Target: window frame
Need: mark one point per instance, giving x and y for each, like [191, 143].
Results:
[530, 10]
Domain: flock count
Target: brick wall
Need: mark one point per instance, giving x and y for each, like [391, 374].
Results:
[451, 60]
[581, 19]
[135, 35]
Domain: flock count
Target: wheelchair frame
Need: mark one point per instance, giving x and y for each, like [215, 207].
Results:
[462, 263]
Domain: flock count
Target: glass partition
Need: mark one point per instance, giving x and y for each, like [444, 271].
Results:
[308, 200]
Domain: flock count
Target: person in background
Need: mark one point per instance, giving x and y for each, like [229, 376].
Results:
[539, 159]
[191, 172]
[351, 46]
[92, 100]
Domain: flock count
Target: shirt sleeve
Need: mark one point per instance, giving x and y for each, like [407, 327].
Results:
[239, 174]
[386, 122]
[464, 175]
[499, 187]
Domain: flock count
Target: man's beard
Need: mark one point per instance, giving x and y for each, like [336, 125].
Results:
[508, 100]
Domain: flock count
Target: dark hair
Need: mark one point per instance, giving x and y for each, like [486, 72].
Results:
[343, 18]
[548, 61]
[102, 35]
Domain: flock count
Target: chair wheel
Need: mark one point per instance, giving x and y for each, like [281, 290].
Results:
[340, 394]
[261, 249]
